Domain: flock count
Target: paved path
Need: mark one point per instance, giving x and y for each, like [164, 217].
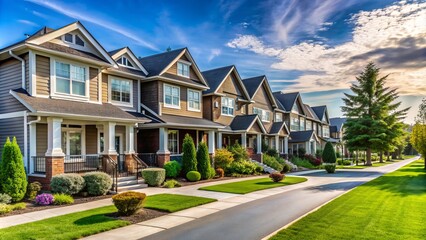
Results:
[254, 215]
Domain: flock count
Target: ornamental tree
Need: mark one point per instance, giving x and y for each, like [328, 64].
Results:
[189, 160]
[329, 158]
[203, 161]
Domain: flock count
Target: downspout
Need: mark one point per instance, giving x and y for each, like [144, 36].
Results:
[23, 67]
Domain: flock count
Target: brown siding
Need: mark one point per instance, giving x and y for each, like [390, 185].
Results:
[208, 107]
[147, 140]
[183, 111]
[135, 95]
[41, 130]
[10, 78]
[230, 85]
[255, 128]
[192, 74]
[91, 139]
[149, 95]
[94, 88]
[104, 87]
[262, 101]
[42, 75]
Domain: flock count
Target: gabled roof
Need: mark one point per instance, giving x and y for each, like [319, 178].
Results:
[302, 136]
[338, 122]
[38, 33]
[320, 111]
[277, 127]
[245, 122]
[333, 129]
[115, 54]
[287, 100]
[310, 113]
[255, 83]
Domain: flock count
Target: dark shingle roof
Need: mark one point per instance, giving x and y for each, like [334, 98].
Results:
[333, 129]
[41, 32]
[130, 70]
[242, 122]
[252, 84]
[287, 100]
[301, 136]
[319, 111]
[175, 120]
[215, 77]
[337, 122]
[47, 105]
[310, 113]
[73, 51]
[111, 53]
[276, 127]
[155, 64]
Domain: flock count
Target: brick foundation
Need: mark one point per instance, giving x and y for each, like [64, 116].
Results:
[130, 165]
[162, 159]
[258, 157]
[54, 166]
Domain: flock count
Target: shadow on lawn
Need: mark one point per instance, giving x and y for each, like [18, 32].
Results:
[344, 186]
[342, 173]
[94, 219]
[403, 185]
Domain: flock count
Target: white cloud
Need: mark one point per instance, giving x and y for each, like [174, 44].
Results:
[28, 22]
[214, 53]
[39, 14]
[89, 17]
[393, 37]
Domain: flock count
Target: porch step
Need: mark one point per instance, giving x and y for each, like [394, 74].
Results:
[265, 167]
[132, 187]
[124, 179]
[130, 183]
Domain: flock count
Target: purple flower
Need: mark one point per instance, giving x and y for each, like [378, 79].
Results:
[44, 199]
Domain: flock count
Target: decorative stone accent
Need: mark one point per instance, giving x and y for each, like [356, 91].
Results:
[258, 157]
[163, 158]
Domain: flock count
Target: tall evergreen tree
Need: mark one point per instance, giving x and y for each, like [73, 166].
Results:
[372, 110]
[189, 160]
[203, 160]
[418, 136]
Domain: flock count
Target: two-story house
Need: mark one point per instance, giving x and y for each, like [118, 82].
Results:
[337, 132]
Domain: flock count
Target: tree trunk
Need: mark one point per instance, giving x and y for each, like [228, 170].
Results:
[369, 157]
[356, 157]
[388, 156]
[381, 156]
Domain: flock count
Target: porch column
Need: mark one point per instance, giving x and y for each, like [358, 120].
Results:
[109, 138]
[54, 137]
[33, 145]
[212, 147]
[163, 153]
[259, 143]
[244, 140]
[219, 140]
[277, 143]
[130, 138]
[286, 145]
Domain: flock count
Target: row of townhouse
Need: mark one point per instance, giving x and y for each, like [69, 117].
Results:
[69, 101]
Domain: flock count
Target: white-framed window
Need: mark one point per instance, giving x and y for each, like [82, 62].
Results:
[171, 96]
[263, 114]
[278, 117]
[295, 108]
[125, 62]
[183, 69]
[294, 124]
[73, 39]
[326, 131]
[173, 141]
[302, 124]
[120, 91]
[308, 125]
[73, 140]
[228, 105]
[194, 100]
[70, 79]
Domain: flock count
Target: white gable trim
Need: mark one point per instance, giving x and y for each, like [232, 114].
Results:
[70, 28]
[240, 81]
[268, 89]
[132, 56]
[259, 122]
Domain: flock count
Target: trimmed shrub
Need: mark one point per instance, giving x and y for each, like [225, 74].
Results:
[193, 176]
[272, 152]
[18, 206]
[61, 199]
[330, 168]
[344, 162]
[128, 203]
[301, 152]
[243, 167]
[67, 183]
[33, 189]
[220, 173]
[302, 162]
[4, 208]
[313, 160]
[154, 177]
[286, 168]
[189, 158]
[212, 173]
[258, 169]
[239, 153]
[12, 172]
[329, 158]
[276, 176]
[171, 184]
[173, 169]
[265, 146]
[203, 161]
[318, 153]
[272, 162]
[97, 183]
[5, 199]
[223, 158]
[44, 199]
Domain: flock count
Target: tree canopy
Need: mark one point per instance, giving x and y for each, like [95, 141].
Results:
[418, 136]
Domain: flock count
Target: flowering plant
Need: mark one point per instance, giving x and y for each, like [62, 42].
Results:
[44, 199]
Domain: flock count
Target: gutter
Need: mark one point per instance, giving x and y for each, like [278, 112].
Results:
[22, 65]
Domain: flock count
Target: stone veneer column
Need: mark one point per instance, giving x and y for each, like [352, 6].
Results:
[163, 153]
[54, 154]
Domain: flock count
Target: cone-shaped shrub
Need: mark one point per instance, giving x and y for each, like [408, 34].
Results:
[189, 160]
[329, 158]
[203, 161]
[12, 172]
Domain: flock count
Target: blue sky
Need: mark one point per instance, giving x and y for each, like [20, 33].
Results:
[313, 46]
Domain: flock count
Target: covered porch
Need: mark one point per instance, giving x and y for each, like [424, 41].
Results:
[307, 140]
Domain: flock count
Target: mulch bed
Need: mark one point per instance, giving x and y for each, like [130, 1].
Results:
[184, 182]
[142, 215]
[32, 207]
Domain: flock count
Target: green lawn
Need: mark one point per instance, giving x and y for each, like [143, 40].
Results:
[389, 207]
[174, 202]
[80, 224]
[249, 186]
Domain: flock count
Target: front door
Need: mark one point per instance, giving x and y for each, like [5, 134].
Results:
[119, 149]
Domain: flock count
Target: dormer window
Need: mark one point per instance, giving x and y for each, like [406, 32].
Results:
[73, 38]
[125, 62]
[183, 69]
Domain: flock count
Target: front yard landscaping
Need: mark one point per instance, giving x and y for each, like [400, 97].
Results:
[389, 207]
[86, 223]
[253, 185]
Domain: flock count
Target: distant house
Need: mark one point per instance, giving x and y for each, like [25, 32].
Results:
[337, 132]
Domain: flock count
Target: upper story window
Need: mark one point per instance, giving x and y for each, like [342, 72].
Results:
[263, 114]
[278, 117]
[121, 91]
[294, 124]
[183, 69]
[295, 108]
[194, 99]
[73, 38]
[326, 131]
[125, 62]
[70, 79]
[302, 124]
[228, 105]
[171, 96]
[308, 125]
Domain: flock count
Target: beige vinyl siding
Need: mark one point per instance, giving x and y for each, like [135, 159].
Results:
[192, 74]
[91, 139]
[93, 84]
[10, 78]
[262, 101]
[42, 75]
[183, 111]
[104, 87]
[41, 131]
